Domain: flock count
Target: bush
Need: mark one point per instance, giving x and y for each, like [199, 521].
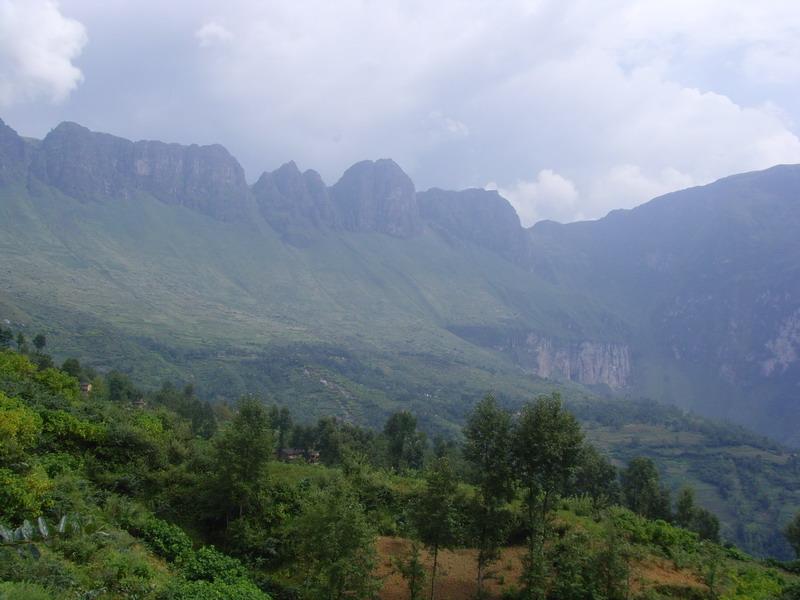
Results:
[22, 496]
[24, 591]
[46, 571]
[165, 539]
[209, 564]
[217, 590]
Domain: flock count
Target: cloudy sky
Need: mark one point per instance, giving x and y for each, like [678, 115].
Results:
[570, 108]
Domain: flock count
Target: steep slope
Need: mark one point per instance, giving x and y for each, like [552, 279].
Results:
[366, 297]
[708, 281]
[126, 271]
[164, 251]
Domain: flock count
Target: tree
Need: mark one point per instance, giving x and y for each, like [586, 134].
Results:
[435, 513]
[596, 477]
[6, 337]
[642, 492]
[243, 450]
[547, 442]
[488, 452]
[411, 568]
[281, 420]
[120, 387]
[22, 345]
[695, 518]
[684, 508]
[706, 525]
[71, 366]
[39, 342]
[405, 445]
[612, 564]
[335, 544]
[792, 533]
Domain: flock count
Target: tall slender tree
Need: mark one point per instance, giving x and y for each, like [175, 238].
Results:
[6, 338]
[405, 445]
[435, 513]
[243, 450]
[792, 533]
[335, 544]
[547, 442]
[487, 450]
[39, 342]
[642, 491]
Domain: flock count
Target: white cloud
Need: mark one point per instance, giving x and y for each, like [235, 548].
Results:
[37, 48]
[625, 186]
[212, 33]
[549, 196]
[443, 127]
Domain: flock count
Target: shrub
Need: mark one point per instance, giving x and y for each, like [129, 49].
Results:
[24, 591]
[165, 539]
[24, 495]
[19, 427]
[217, 590]
[209, 564]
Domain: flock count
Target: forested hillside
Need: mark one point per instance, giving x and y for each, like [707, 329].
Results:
[366, 296]
[109, 492]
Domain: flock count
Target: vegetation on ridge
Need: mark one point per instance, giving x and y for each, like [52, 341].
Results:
[115, 493]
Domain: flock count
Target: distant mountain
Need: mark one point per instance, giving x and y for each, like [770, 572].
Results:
[707, 281]
[367, 294]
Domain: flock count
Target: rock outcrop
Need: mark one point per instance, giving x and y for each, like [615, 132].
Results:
[377, 196]
[89, 165]
[590, 362]
[784, 348]
[294, 202]
[587, 362]
[479, 216]
[12, 154]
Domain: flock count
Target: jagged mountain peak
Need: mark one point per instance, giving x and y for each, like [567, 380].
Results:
[377, 196]
[12, 154]
[99, 166]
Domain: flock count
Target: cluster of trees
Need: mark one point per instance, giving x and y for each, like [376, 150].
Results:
[161, 463]
[37, 354]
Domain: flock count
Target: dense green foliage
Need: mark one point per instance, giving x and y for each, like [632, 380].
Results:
[151, 496]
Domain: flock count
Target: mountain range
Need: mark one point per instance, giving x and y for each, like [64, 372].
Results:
[367, 295]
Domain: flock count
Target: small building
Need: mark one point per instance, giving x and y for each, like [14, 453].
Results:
[86, 388]
[298, 455]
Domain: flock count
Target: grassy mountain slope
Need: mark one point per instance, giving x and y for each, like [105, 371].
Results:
[172, 293]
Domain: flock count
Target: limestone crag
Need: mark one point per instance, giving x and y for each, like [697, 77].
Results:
[89, 165]
[294, 202]
[377, 196]
[12, 154]
[479, 216]
[587, 362]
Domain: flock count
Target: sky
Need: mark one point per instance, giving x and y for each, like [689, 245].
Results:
[570, 108]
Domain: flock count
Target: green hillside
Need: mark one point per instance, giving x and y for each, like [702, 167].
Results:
[169, 293]
[366, 297]
[109, 497]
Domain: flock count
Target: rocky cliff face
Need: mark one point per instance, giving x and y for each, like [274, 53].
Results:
[783, 349]
[590, 362]
[293, 202]
[89, 165]
[482, 217]
[587, 362]
[377, 196]
[12, 154]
